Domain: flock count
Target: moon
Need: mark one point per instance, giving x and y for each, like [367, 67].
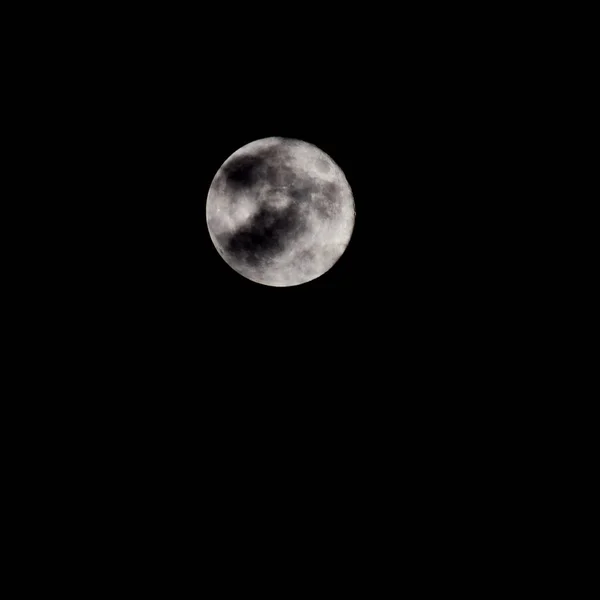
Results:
[280, 212]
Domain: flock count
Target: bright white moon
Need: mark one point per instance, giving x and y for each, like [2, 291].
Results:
[280, 212]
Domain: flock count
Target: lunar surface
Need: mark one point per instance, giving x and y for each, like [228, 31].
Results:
[280, 212]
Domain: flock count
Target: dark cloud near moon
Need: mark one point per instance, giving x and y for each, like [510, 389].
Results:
[271, 229]
[267, 233]
[246, 171]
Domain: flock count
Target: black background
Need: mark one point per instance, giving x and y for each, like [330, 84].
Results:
[389, 412]
[383, 389]
[415, 113]
[412, 128]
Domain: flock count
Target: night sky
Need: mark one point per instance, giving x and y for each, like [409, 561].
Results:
[385, 394]
[413, 120]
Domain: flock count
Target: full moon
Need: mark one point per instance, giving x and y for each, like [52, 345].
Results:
[280, 212]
